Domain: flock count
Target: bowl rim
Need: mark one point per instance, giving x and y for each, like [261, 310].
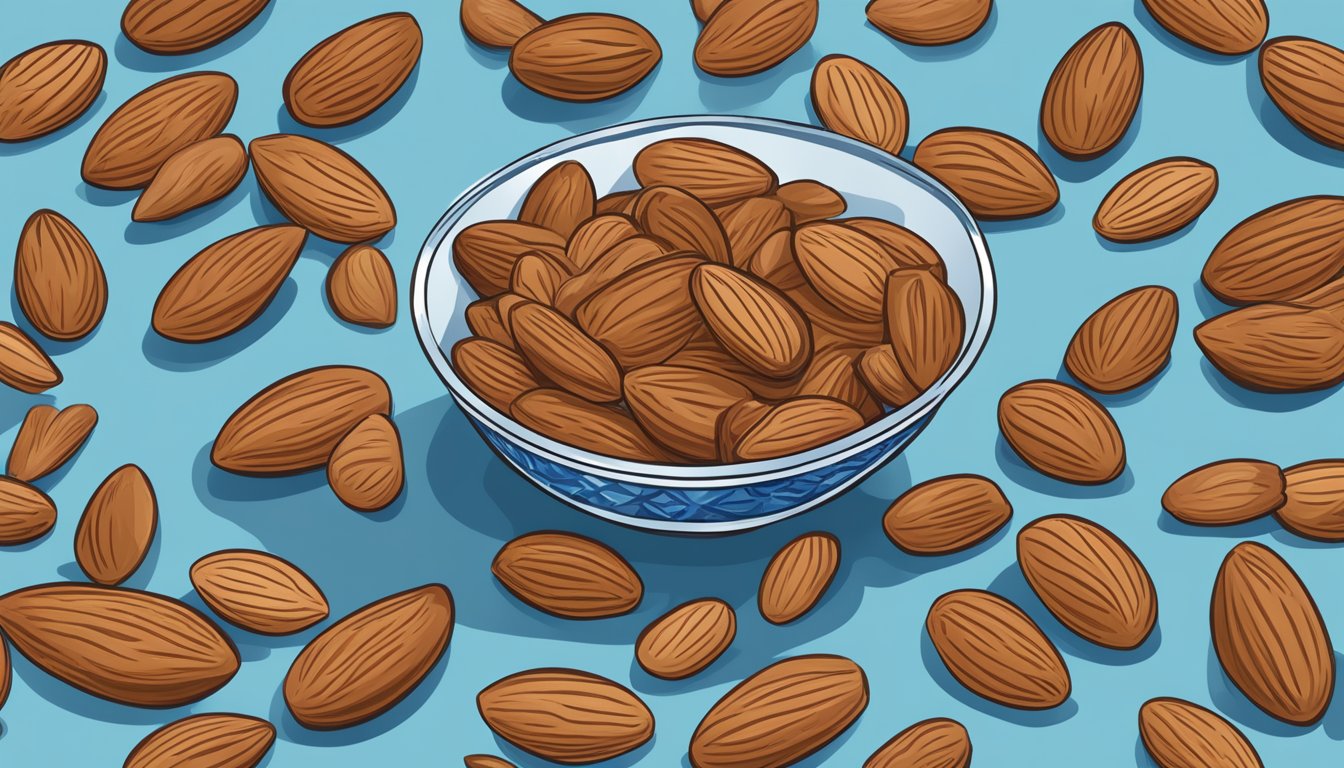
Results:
[698, 476]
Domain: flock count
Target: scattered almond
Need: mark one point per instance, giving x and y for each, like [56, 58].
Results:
[497, 23]
[58, 279]
[348, 76]
[46, 88]
[362, 288]
[1180, 734]
[48, 438]
[1280, 253]
[321, 188]
[1305, 79]
[365, 469]
[686, 639]
[1156, 200]
[191, 177]
[1315, 500]
[26, 513]
[220, 740]
[946, 515]
[714, 172]
[118, 527]
[568, 575]
[1126, 342]
[1061, 432]
[259, 592]
[486, 761]
[23, 364]
[186, 26]
[1276, 347]
[855, 100]
[745, 37]
[994, 174]
[935, 743]
[1229, 27]
[798, 576]
[929, 22]
[585, 57]
[1226, 493]
[1094, 92]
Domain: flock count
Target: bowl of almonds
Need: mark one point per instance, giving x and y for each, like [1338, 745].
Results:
[703, 324]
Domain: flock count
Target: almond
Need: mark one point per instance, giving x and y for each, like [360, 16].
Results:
[362, 288]
[1062, 432]
[565, 715]
[219, 740]
[26, 513]
[1226, 493]
[585, 57]
[48, 438]
[561, 352]
[362, 665]
[46, 88]
[855, 100]
[259, 592]
[1126, 342]
[321, 188]
[365, 469]
[537, 278]
[621, 259]
[1275, 347]
[561, 199]
[579, 423]
[994, 174]
[23, 364]
[568, 575]
[153, 125]
[925, 322]
[118, 527]
[292, 425]
[194, 176]
[714, 172]
[1094, 92]
[846, 267]
[686, 639]
[1156, 200]
[186, 26]
[935, 743]
[684, 222]
[680, 407]
[705, 354]
[485, 253]
[483, 320]
[749, 223]
[58, 279]
[1269, 635]
[745, 37]
[598, 235]
[798, 576]
[832, 373]
[618, 202]
[645, 316]
[1229, 27]
[486, 761]
[348, 76]
[774, 262]
[782, 714]
[929, 22]
[903, 245]
[755, 323]
[946, 515]
[228, 285]
[1279, 253]
[493, 371]
[1328, 296]
[796, 426]
[130, 647]
[1089, 579]
[6, 673]
[810, 200]
[1315, 500]
[497, 23]
[994, 649]
[703, 9]
[1181, 734]
[1305, 80]
[879, 369]
[735, 422]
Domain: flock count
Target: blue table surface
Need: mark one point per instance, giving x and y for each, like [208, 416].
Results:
[460, 117]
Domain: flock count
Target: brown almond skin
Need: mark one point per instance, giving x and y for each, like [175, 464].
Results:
[585, 57]
[216, 740]
[348, 76]
[754, 322]
[1156, 200]
[568, 575]
[497, 23]
[782, 714]
[1270, 637]
[749, 223]
[925, 321]
[6, 673]
[1305, 80]
[292, 425]
[680, 407]
[1060, 431]
[619, 261]
[846, 267]
[26, 513]
[929, 22]
[1280, 253]
[46, 88]
[132, 144]
[798, 425]
[186, 26]
[686, 639]
[855, 100]
[878, 368]
[23, 364]
[946, 515]
[259, 592]
[1126, 342]
[225, 287]
[995, 650]
[566, 716]
[1181, 734]
[362, 665]
[493, 371]
[58, 279]
[484, 253]
[192, 177]
[833, 373]
[644, 317]
[734, 423]
[362, 288]
[124, 645]
[994, 174]
[1275, 347]
[599, 234]
[537, 278]
[683, 221]
[597, 428]
[704, 353]
[486, 761]
[703, 9]
[714, 172]
[321, 188]
[1089, 580]
[1094, 92]
[118, 526]
[365, 469]
[938, 742]
[484, 321]
[48, 438]
[561, 200]
[903, 245]
[798, 576]
[810, 200]
[745, 37]
[1229, 27]
[1226, 493]
[1315, 500]
[561, 352]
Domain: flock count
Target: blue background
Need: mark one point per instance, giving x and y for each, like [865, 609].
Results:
[462, 116]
